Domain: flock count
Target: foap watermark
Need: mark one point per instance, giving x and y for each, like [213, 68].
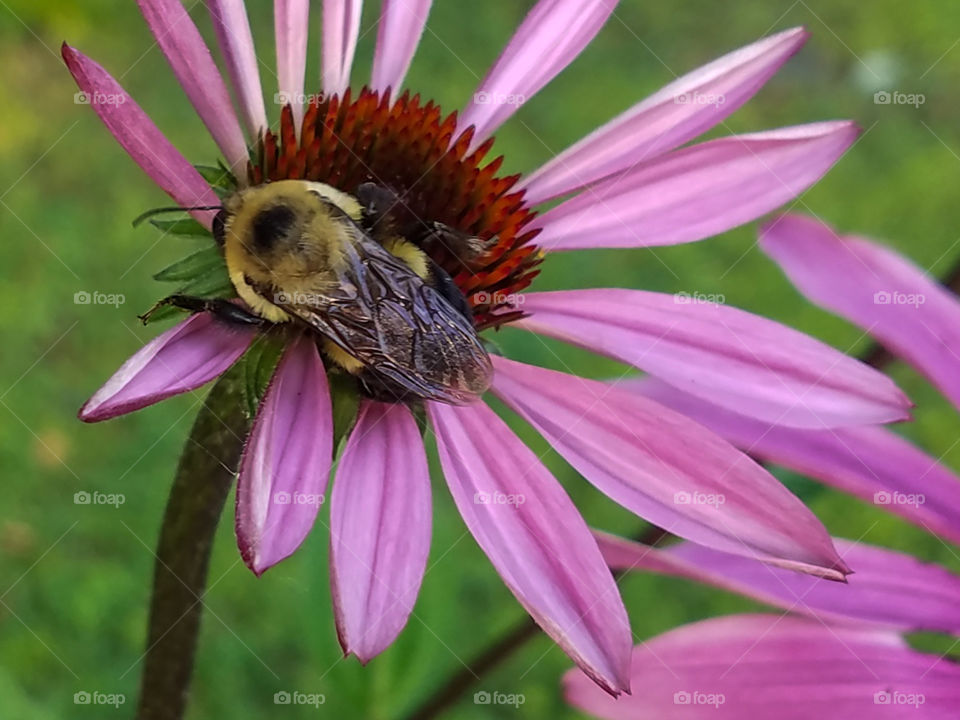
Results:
[98, 98]
[886, 497]
[699, 298]
[96, 697]
[83, 297]
[297, 498]
[497, 298]
[295, 697]
[498, 498]
[485, 697]
[883, 297]
[298, 298]
[696, 697]
[699, 498]
[495, 98]
[298, 98]
[698, 98]
[896, 697]
[82, 497]
[895, 97]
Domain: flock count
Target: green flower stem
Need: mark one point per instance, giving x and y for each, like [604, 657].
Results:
[204, 477]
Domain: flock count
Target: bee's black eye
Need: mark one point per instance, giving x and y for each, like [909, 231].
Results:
[219, 227]
[271, 225]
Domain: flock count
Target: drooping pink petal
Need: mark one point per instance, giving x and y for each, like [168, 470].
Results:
[291, 19]
[699, 191]
[722, 354]
[535, 538]
[766, 667]
[198, 75]
[552, 35]
[874, 287]
[137, 134]
[379, 528]
[188, 355]
[232, 27]
[401, 26]
[888, 589]
[286, 461]
[871, 463]
[668, 469]
[341, 28]
[681, 111]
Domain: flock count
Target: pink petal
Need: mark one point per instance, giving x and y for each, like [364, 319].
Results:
[851, 276]
[868, 462]
[236, 43]
[286, 461]
[681, 111]
[699, 191]
[183, 358]
[668, 469]
[291, 19]
[552, 35]
[401, 25]
[379, 528]
[888, 589]
[198, 75]
[137, 134]
[765, 667]
[535, 538]
[341, 27]
[721, 354]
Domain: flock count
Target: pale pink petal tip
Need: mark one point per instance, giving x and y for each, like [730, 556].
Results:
[183, 358]
[770, 667]
[198, 75]
[550, 37]
[401, 25]
[900, 304]
[137, 134]
[697, 191]
[291, 20]
[668, 469]
[684, 109]
[721, 354]
[341, 28]
[286, 461]
[379, 528]
[536, 539]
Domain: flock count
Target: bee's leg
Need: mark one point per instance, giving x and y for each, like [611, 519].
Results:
[444, 284]
[463, 246]
[220, 308]
[378, 203]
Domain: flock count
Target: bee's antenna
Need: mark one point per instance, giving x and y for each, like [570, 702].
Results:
[158, 211]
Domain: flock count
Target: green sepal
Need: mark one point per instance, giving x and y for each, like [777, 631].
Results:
[215, 283]
[345, 398]
[220, 178]
[192, 267]
[420, 415]
[259, 363]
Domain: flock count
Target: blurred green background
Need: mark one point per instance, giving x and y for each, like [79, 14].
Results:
[74, 580]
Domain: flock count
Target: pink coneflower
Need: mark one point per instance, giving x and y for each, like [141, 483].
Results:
[630, 186]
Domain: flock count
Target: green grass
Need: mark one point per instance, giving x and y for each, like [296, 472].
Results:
[79, 576]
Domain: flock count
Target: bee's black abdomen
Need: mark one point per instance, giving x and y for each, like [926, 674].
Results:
[271, 225]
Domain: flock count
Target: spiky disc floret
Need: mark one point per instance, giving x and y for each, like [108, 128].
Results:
[417, 153]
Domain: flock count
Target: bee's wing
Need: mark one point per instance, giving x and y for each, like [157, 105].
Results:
[408, 337]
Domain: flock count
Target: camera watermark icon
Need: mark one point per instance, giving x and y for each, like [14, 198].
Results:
[883, 297]
[698, 98]
[295, 697]
[98, 98]
[895, 97]
[699, 298]
[82, 497]
[82, 297]
[488, 98]
[896, 697]
[886, 497]
[683, 697]
[485, 697]
[298, 98]
[699, 498]
[498, 498]
[298, 498]
[99, 698]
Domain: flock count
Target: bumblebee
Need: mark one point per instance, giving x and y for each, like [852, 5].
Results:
[306, 253]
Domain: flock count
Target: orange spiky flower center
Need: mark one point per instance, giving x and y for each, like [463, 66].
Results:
[417, 153]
